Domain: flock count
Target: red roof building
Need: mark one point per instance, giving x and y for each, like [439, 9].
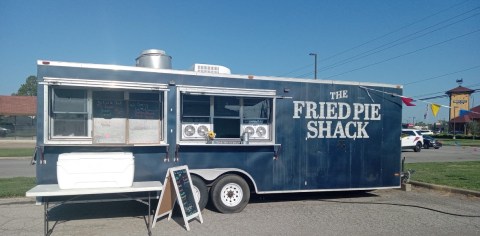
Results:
[472, 115]
[18, 105]
[462, 118]
[460, 90]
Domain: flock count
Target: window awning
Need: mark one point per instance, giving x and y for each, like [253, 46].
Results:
[217, 91]
[103, 84]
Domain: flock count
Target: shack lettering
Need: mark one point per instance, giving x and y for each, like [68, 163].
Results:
[329, 119]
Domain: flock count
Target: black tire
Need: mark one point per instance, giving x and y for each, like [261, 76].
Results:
[426, 145]
[230, 194]
[418, 147]
[200, 189]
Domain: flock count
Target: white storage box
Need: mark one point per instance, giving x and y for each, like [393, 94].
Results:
[95, 170]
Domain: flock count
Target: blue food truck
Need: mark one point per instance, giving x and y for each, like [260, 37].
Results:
[237, 134]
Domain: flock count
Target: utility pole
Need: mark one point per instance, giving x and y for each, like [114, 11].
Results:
[315, 55]
[454, 116]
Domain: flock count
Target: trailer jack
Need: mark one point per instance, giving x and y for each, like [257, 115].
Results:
[405, 175]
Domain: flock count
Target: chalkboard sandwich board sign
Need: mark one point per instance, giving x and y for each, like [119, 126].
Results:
[178, 187]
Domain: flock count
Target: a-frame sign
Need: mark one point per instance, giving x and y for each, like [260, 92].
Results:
[178, 187]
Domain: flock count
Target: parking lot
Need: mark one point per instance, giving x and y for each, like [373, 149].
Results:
[443, 154]
[381, 212]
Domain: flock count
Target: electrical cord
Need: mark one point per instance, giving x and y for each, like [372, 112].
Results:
[404, 205]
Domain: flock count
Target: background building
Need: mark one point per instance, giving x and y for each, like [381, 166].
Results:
[18, 116]
[462, 118]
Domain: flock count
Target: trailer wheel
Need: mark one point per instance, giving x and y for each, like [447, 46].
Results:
[200, 191]
[230, 194]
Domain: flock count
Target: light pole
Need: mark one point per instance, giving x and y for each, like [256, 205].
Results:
[454, 130]
[315, 55]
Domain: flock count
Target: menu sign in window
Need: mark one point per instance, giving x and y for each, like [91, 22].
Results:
[109, 121]
[108, 109]
[144, 121]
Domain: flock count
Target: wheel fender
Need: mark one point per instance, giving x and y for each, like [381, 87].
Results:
[213, 174]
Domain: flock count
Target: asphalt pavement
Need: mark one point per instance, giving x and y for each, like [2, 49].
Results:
[17, 167]
[443, 154]
[380, 212]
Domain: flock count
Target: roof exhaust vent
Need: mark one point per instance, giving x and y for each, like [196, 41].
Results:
[154, 58]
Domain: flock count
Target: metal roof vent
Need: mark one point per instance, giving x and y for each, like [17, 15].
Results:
[154, 58]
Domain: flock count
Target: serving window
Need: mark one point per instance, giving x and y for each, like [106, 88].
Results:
[69, 113]
[86, 115]
[230, 115]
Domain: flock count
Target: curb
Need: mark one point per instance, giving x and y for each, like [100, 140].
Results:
[445, 188]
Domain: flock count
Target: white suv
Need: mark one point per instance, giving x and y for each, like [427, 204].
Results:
[412, 139]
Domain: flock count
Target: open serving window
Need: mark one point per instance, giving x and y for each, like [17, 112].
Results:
[234, 115]
[103, 112]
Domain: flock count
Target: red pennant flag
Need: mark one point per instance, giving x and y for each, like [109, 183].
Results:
[408, 101]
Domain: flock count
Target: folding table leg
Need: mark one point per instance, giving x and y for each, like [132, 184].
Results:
[45, 218]
[149, 224]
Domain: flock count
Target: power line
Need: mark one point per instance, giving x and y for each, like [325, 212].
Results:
[295, 70]
[397, 30]
[405, 54]
[440, 76]
[442, 96]
[429, 94]
[304, 75]
[372, 51]
[377, 38]
[429, 98]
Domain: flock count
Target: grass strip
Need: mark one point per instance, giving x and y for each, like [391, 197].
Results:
[16, 187]
[460, 142]
[465, 175]
[16, 152]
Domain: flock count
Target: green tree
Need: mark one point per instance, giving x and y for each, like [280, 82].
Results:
[474, 128]
[29, 88]
[420, 123]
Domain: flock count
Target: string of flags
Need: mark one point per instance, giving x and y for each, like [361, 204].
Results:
[434, 107]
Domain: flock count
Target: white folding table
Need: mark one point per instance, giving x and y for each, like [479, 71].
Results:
[47, 191]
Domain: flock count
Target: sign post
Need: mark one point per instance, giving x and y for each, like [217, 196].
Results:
[178, 187]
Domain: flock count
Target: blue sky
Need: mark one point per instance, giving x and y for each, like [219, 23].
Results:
[424, 45]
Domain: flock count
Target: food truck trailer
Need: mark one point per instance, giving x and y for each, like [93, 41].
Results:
[102, 126]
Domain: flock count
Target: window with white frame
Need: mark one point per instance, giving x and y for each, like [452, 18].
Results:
[69, 113]
[229, 115]
[99, 116]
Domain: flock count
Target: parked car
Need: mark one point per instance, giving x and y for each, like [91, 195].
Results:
[429, 141]
[4, 132]
[426, 132]
[412, 139]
